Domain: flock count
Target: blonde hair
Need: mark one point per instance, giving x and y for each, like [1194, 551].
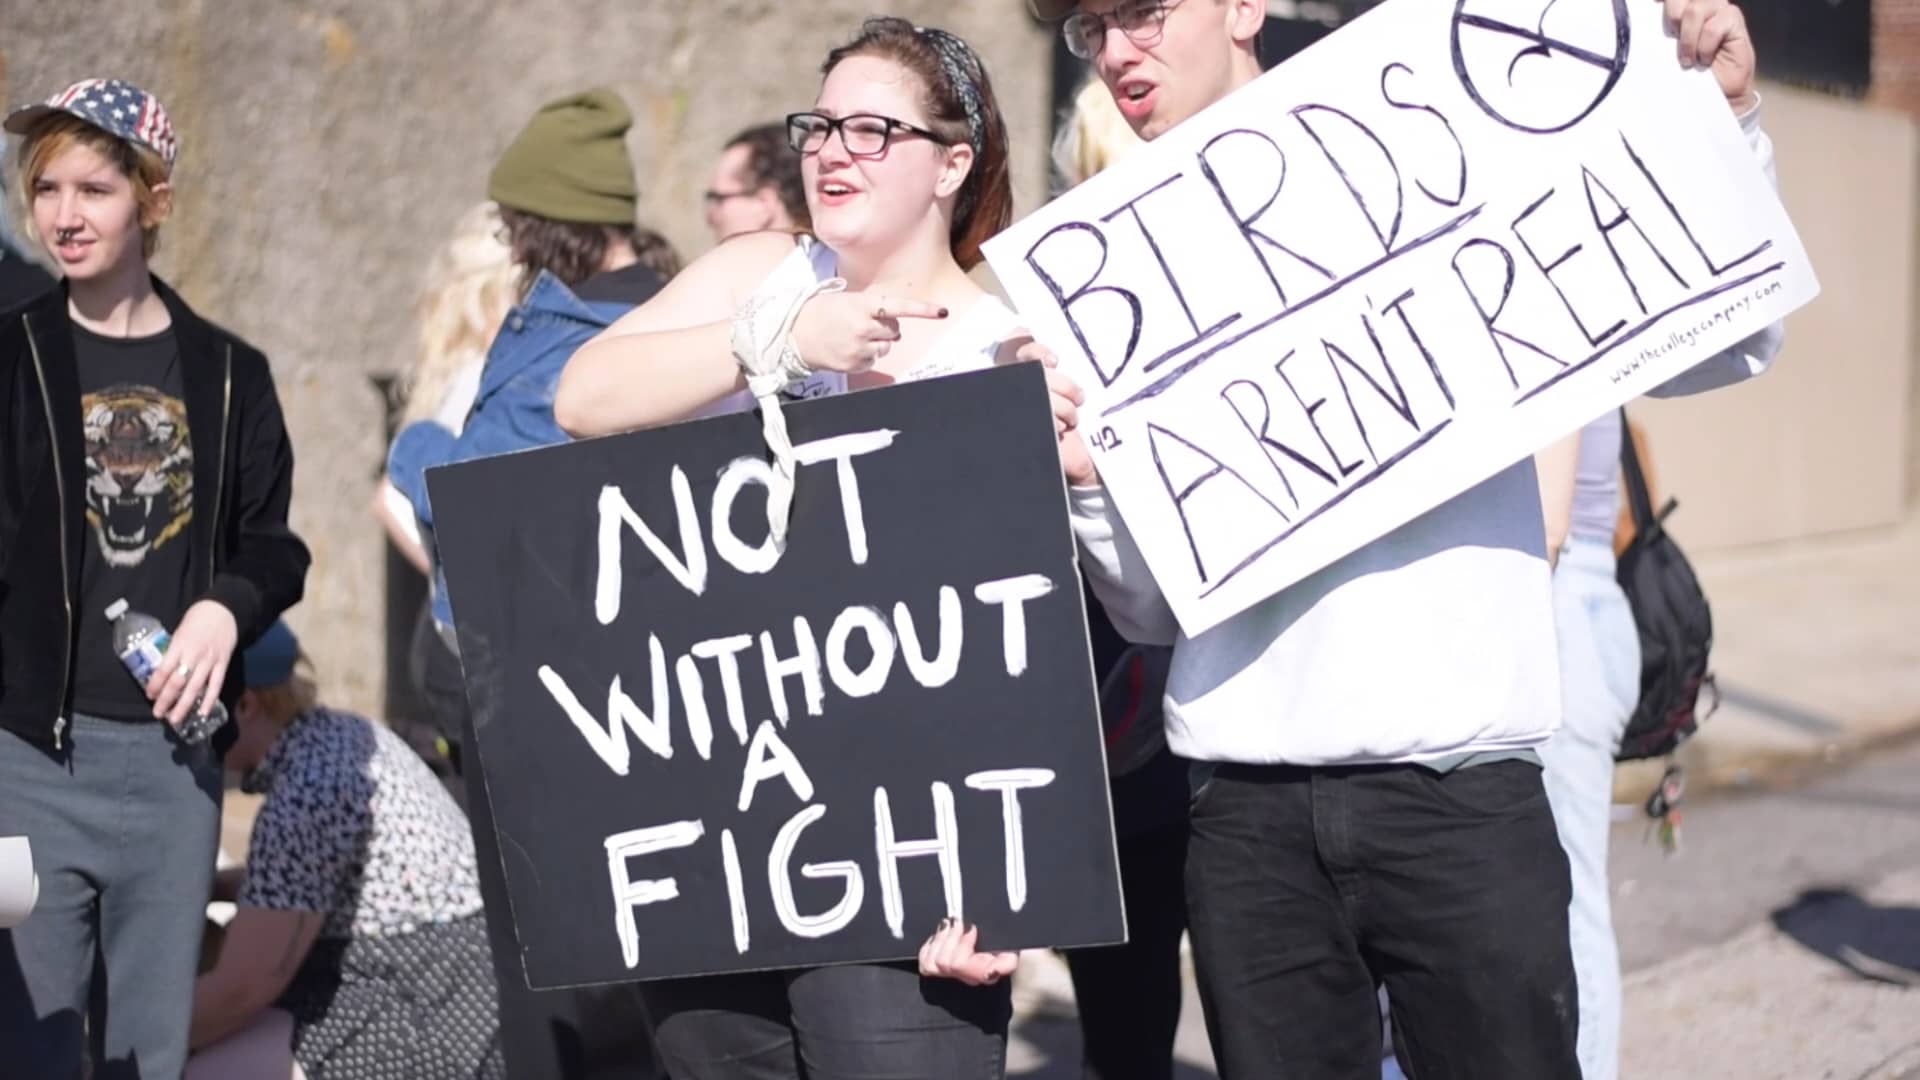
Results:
[144, 169]
[1093, 137]
[470, 286]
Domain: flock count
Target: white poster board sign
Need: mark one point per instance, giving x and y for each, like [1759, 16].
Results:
[1417, 252]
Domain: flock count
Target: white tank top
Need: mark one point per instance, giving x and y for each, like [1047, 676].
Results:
[971, 341]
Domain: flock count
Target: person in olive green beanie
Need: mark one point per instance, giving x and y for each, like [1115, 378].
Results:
[570, 162]
[566, 191]
[567, 194]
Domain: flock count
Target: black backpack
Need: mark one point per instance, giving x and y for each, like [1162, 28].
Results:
[1675, 624]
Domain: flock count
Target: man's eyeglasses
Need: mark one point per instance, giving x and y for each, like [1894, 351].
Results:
[1141, 20]
[717, 198]
[863, 134]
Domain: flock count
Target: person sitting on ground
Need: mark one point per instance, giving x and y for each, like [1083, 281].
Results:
[358, 950]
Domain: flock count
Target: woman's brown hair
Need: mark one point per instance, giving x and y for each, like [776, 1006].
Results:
[574, 252]
[960, 108]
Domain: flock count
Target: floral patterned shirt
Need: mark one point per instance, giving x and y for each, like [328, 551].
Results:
[355, 825]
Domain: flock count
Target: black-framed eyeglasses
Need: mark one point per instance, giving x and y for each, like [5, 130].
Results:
[863, 134]
[1141, 20]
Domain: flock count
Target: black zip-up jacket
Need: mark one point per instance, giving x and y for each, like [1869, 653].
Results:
[242, 555]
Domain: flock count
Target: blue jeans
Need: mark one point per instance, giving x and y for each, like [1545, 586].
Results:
[1600, 681]
[851, 1022]
[124, 824]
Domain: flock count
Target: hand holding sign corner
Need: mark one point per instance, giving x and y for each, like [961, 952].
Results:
[1076, 463]
[1714, 32]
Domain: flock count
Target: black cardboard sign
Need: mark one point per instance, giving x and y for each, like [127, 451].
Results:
[707, 754]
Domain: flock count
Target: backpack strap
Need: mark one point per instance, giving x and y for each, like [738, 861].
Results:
[1638, 499]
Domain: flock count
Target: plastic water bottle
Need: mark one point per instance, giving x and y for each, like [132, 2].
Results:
[140, 641]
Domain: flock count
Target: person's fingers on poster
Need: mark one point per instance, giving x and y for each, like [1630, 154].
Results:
[1076, 463]
[950, 954]
[1713, 34]
[939, 954]
[1031, 351]
[1066, 412]
[1724, 39]
[1062, 386]
[1066, 394]
[1676, 9]
[198, 651]
[1687, 16]
[929, 949]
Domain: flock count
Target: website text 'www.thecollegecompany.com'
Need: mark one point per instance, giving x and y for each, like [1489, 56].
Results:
[1684, 338]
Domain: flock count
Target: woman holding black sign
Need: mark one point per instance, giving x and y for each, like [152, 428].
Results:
[905, 162]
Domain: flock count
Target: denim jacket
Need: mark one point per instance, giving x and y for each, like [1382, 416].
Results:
[514, 407]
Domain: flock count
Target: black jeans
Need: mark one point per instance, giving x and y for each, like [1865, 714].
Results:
[1307, 888]
[853, 1022]
[1128, 996]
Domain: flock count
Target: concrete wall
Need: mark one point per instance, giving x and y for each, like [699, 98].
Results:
[1824, 442]
[328, 146]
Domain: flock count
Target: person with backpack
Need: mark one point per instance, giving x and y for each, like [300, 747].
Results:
[1619, 702]
[1368, 805]
[1599, 682]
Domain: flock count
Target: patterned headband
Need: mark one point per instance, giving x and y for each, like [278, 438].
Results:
[961, 66]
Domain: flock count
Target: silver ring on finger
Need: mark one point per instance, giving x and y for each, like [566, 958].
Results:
[185, 670]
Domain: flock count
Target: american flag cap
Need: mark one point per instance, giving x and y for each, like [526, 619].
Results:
[115, 106]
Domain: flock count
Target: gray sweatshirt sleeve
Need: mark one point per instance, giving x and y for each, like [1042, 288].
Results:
[1117, 571]
[1755, 354]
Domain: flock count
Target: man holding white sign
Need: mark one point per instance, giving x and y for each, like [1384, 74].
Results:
[1320, 325]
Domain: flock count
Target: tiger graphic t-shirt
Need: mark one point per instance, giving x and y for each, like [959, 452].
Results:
[139, 506]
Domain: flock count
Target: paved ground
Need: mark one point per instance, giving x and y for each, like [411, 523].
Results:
[1783, 942]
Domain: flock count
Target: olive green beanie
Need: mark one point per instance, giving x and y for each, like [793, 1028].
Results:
[570, 162]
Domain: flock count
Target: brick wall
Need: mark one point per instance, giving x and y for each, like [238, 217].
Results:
[1896, 55]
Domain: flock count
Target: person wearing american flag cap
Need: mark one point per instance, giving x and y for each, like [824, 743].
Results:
[144, 465]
